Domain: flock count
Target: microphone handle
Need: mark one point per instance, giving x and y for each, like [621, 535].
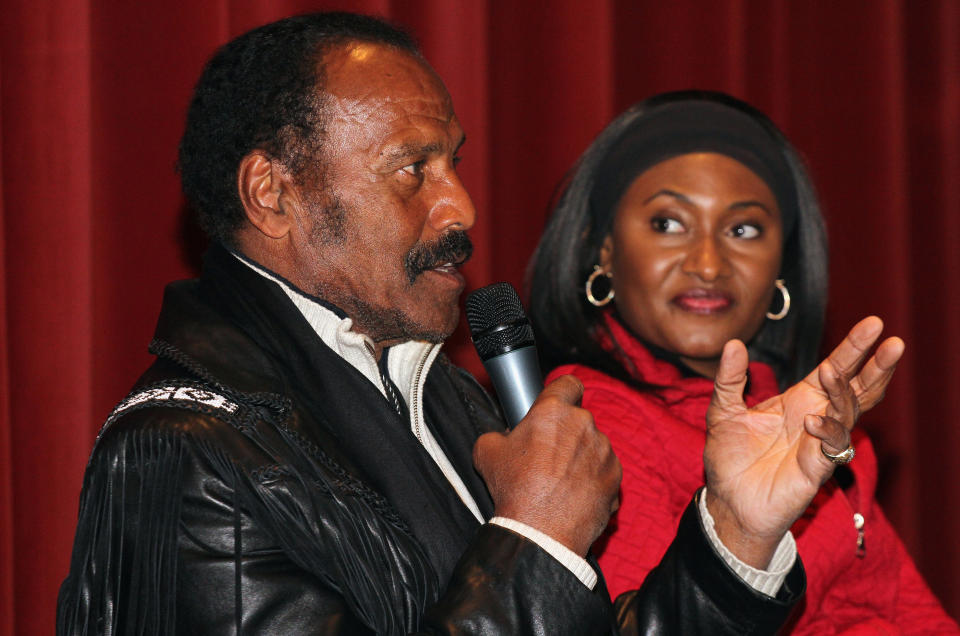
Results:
[517, 380]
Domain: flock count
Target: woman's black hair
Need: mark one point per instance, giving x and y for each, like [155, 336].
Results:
[567, 326]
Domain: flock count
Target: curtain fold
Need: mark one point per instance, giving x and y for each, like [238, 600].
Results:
[6, 468]
[92, 223]
[932, 72]
[48, 255]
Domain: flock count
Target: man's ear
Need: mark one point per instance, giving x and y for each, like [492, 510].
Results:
[261, 182]
[606, 254]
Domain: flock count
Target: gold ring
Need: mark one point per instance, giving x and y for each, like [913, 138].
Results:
[843, 457]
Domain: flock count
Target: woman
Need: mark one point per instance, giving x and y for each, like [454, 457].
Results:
[690, 221]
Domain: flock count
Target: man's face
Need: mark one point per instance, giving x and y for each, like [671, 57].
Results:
[384, 227]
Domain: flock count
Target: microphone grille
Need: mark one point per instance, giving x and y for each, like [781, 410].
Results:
[497, 321]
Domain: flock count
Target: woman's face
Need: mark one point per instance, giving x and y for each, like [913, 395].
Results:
[694, 252]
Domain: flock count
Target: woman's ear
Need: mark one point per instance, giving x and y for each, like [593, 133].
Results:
[606, 254]
[261, 182]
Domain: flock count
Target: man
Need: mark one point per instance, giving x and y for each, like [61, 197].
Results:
[300, 458]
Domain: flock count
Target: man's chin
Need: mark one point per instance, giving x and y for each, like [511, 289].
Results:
[436, 333]
[394, 326]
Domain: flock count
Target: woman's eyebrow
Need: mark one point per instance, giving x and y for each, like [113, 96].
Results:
[740, 205]
[669, 193]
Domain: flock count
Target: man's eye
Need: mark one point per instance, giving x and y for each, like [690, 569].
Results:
[666, 225]
[414, 169]
[746, 231]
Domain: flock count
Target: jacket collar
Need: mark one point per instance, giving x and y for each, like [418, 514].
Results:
[248, 336]
[407, 362]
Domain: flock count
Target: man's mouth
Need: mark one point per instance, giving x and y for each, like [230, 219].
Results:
[447, 268]
[703, 301]
[450, 271]
[443, 256]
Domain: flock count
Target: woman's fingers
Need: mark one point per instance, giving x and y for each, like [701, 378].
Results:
[871, 383]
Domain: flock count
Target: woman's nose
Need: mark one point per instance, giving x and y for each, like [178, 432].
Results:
[706, 260]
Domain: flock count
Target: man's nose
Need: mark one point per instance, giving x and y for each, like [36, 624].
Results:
[453, 208]
[706, 260]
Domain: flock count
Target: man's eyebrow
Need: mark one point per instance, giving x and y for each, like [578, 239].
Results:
[408, 150]
[669, 193]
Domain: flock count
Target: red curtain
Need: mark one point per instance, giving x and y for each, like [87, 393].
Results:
[92, 223]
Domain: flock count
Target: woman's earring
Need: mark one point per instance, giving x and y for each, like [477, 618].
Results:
[589, 288]
[780, 315]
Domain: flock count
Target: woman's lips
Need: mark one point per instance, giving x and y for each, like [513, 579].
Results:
[703, 301]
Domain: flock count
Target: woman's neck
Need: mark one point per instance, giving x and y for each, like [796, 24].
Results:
[691, 367]
[705, 368]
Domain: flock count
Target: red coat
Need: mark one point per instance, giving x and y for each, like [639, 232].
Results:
[659, 437]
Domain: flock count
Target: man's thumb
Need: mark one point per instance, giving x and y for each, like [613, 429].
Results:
[731, 376]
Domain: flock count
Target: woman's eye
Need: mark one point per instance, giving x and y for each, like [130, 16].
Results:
[666, 225]
[746, 231]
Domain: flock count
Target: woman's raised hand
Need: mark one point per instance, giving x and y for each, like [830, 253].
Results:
[764, 464]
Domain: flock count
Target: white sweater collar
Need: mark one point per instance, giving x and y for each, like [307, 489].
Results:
[407, 362]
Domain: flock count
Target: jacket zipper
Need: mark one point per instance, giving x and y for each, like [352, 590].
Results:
[415, 406]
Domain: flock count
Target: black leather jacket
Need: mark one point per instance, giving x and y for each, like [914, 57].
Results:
[254, 482]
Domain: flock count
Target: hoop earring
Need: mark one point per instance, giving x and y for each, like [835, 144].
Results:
[780, 315]
[589, 288]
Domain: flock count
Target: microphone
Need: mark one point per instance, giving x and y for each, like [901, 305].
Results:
[504, 340]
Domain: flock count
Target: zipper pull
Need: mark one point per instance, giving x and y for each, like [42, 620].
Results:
[858, 522]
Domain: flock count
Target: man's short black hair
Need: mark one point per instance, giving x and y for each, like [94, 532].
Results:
[262, 91]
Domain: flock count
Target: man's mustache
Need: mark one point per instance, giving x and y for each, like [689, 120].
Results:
[453, 247]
